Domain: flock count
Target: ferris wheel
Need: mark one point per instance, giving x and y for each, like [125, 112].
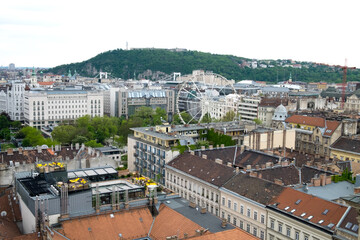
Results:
[202, 95]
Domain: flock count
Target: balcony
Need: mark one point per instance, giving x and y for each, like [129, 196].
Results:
[136, 155]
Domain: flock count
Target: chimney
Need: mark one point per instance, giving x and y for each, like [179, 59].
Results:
[202, 147]
[263, 166]
[248, 167]
[253, 174]
[20, 150]
[223, 223]
[278, 182]
[211, 147]
[356, 190]
[39, 149]
[328, 180]
[242, 149]
[185, 236]
[197, 232]
[219, 161]
[237, 169]
[308, 163]
[204, 156]
[10, 151]
[284, 163]
[222, 145]
[268, 164]
[316, 182]
[56, 148]
[192, 152]
[257, 167]
[77, 146]
[229, 164]
[259, 175]
[217, 146]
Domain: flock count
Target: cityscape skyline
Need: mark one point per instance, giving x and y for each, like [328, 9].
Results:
[43, 34]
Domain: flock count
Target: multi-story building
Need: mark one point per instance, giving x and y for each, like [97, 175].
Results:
[198, 180]
[314, 135]
[3, 99]
[352, 103]
[266, 110]
[296, 215]
[346, 149]
[130, 100]
[43, 108]
[248, 107]
[244, 200]
[150, 148]
[15, 100]
[220, 106]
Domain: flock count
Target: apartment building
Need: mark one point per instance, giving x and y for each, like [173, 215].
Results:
[150, 148]
[43, 108]
[15, 100]
[300, 216]
[248, 107]
[198, 180]
[244, 200]
[220, 106]
[314, 135]
[346, 149]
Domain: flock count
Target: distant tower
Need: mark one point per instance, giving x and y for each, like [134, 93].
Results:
[12, 67]
[33, 78]
[290, 80]
[69, 74]
[127, 45]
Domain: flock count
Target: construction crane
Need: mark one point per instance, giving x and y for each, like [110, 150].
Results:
[344, 68]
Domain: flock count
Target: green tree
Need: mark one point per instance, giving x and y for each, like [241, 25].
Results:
[93, 144]
[34, 138]
[64, 133]
[229, 116]
[79, 139]
[207, 118]
[257, 121]
[186, 116]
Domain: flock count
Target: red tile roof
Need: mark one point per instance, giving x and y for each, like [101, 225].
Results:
[46, 83]
[310, 208]
[331, 126]
[311, 121]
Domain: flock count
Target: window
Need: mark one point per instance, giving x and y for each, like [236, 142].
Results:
[255, 215]
[262, 218]
[306, 237]
[272, 223]
[262, 235]
[248, 212]
[241, 224]
[280, 227]
[228, 217]
[234, 221]
[297, 235]
[248, 228]
[222, 215]
[229, 203]
[235, 206]
[255, 231]
[288, 231]
[223, 201]
[242, 209]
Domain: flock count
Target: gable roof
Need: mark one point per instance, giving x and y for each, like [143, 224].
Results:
[331, 126]
[204, 169]
[311, 121]
[309, 208]
[253, 158]
[289, 175]
[256, 189]
[350, 223]
[347, 144]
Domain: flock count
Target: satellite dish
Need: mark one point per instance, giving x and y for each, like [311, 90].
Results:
[3, 213]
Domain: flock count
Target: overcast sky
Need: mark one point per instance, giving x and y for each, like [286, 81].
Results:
[49, 33]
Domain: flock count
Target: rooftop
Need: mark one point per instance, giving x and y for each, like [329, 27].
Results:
[311, 121]
[347, 144]
[331, 191]
[308, 208]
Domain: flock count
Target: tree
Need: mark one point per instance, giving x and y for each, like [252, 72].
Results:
[257, 121]
[93, 144]
[34, 138]
[185, 116]
[229, 116]
[64, 133]
[79, 139]
[206, 118]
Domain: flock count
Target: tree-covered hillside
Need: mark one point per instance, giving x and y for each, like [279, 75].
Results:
[126, 64]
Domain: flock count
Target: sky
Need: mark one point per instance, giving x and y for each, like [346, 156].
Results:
[45, 33]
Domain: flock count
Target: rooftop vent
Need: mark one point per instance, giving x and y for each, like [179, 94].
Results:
[112, 215]
[331, 225]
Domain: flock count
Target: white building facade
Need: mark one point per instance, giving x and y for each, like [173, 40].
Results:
[15, 100]
[43, 108]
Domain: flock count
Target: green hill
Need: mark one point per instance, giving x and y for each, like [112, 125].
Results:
[126, 64]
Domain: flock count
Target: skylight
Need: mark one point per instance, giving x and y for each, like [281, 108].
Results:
[325, 212]
[321, 221]
[330, 225]
[355, 228]
[303, 214]
[287, 208]
[310, 217]
[292, 211]
[298, 201]
[348, 225]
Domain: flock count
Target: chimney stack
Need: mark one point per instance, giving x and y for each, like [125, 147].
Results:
[204, 156]
[39, 149]
[211, 147]
[10, 151]
[219, 161]
[222, 145]
[229, 164]
[237, 169]
[278, 182]
[192, 152]
[202, 147]
[20, 150]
